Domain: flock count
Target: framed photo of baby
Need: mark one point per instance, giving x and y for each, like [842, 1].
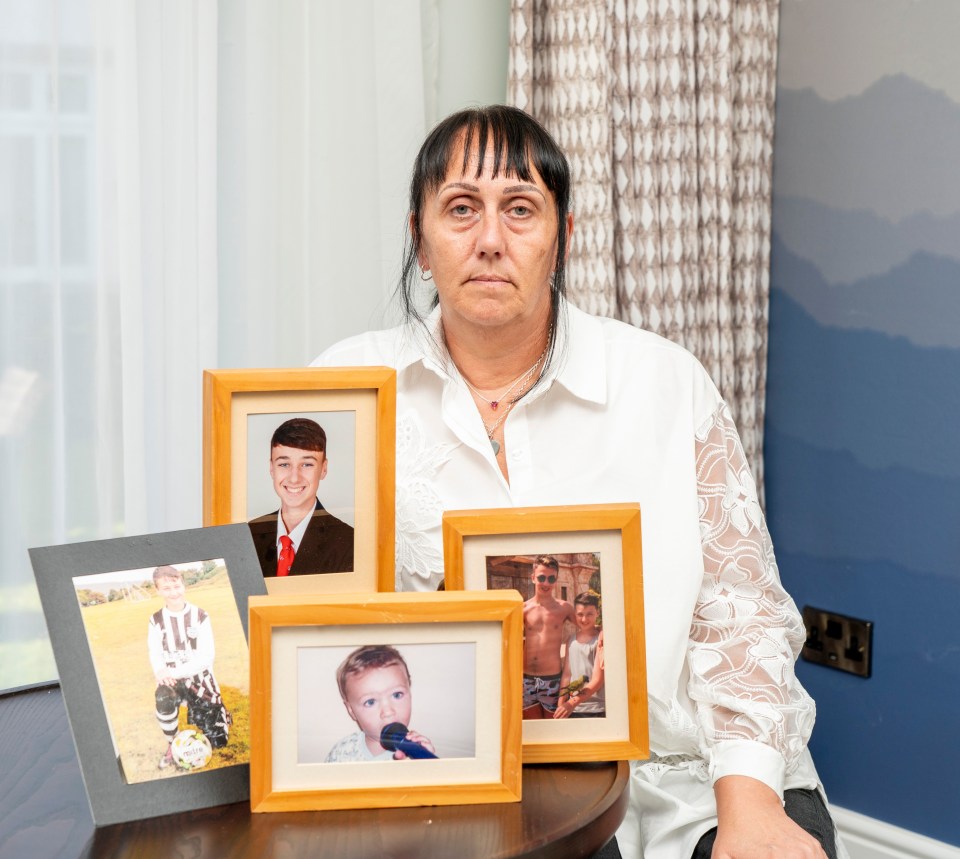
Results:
[363, 701]
[305, 457]
[385, 700]
[578, 571]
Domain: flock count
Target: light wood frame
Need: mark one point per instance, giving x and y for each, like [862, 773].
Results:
[278, 625]
[231, 395]
[469, 536]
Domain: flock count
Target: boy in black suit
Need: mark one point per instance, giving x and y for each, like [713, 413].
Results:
[301, 538]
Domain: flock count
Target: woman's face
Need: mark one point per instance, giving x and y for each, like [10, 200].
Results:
[490, 244]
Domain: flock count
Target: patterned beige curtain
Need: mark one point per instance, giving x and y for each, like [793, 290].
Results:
[665, 108]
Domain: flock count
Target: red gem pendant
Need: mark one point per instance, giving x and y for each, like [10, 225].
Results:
[494, 404]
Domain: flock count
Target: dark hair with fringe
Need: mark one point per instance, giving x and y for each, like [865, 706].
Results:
[301, 433]
[518, 142]
[588, 598]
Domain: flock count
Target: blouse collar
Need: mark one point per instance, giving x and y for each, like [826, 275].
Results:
[579, 365]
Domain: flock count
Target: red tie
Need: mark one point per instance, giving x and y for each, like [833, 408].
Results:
[285, 561]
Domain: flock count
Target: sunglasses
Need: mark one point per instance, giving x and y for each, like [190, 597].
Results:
[543, 579]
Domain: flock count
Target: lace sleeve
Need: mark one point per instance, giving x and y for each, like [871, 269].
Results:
[754, 716]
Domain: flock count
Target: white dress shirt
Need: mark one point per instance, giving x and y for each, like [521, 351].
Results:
[623, 415]
[296, 535]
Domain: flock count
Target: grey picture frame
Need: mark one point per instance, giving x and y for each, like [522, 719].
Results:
[113, 800]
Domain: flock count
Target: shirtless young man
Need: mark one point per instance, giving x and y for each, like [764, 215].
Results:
[543, 618]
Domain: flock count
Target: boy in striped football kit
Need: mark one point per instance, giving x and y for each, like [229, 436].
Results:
[180, 642]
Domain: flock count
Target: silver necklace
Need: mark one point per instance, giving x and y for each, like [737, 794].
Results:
[493, 404]
[491, 430]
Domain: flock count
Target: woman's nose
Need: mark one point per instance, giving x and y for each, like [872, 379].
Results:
[490, 236]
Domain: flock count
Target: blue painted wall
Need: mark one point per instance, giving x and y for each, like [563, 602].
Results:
[863, 413]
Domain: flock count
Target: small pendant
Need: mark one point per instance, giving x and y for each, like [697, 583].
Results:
[495, 445]
[494, 404]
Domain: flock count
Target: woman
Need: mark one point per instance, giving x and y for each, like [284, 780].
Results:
[507, 396]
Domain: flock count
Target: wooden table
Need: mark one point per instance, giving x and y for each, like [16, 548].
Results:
[568, 811]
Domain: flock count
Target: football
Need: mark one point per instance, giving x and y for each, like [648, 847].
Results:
[191, 749]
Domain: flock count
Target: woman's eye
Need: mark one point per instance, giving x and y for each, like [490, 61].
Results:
[521, 211]
[461, 211]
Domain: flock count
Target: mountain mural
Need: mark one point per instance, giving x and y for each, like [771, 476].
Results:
[858, 513]
[891, 150]
[881, 399]
[849, 245]
[918, 300]
[861, 450]
[861, 725]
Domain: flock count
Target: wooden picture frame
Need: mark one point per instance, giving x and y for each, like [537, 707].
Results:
[600, 545]
[357, 406]
[100, 598]
[463, 687]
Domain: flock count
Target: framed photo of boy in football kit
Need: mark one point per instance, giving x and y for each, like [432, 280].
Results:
[149, 637]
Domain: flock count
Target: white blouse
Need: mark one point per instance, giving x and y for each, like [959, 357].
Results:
[626, 416]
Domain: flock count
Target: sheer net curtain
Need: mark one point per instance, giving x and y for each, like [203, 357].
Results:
[666, 110]
[108, 280]
[321, 115]
[183, 185]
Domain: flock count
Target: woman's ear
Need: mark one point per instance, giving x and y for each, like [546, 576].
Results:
[412, 226]
[566, 254]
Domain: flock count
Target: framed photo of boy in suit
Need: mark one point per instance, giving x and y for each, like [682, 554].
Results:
[579, 571]
[306, 458]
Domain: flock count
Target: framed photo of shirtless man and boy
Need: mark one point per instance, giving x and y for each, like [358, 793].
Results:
[306, 457]
[578, 570]
[379, 700]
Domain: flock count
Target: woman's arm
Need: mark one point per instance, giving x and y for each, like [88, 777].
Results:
[753, 715]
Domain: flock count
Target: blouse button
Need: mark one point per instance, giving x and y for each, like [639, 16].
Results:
[517, 453]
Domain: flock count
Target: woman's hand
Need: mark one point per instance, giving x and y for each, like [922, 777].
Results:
[753, 825]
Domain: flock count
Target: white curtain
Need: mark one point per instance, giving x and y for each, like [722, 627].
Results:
[322, 112]
[108, 276]
[180, 190]
[160, 263]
